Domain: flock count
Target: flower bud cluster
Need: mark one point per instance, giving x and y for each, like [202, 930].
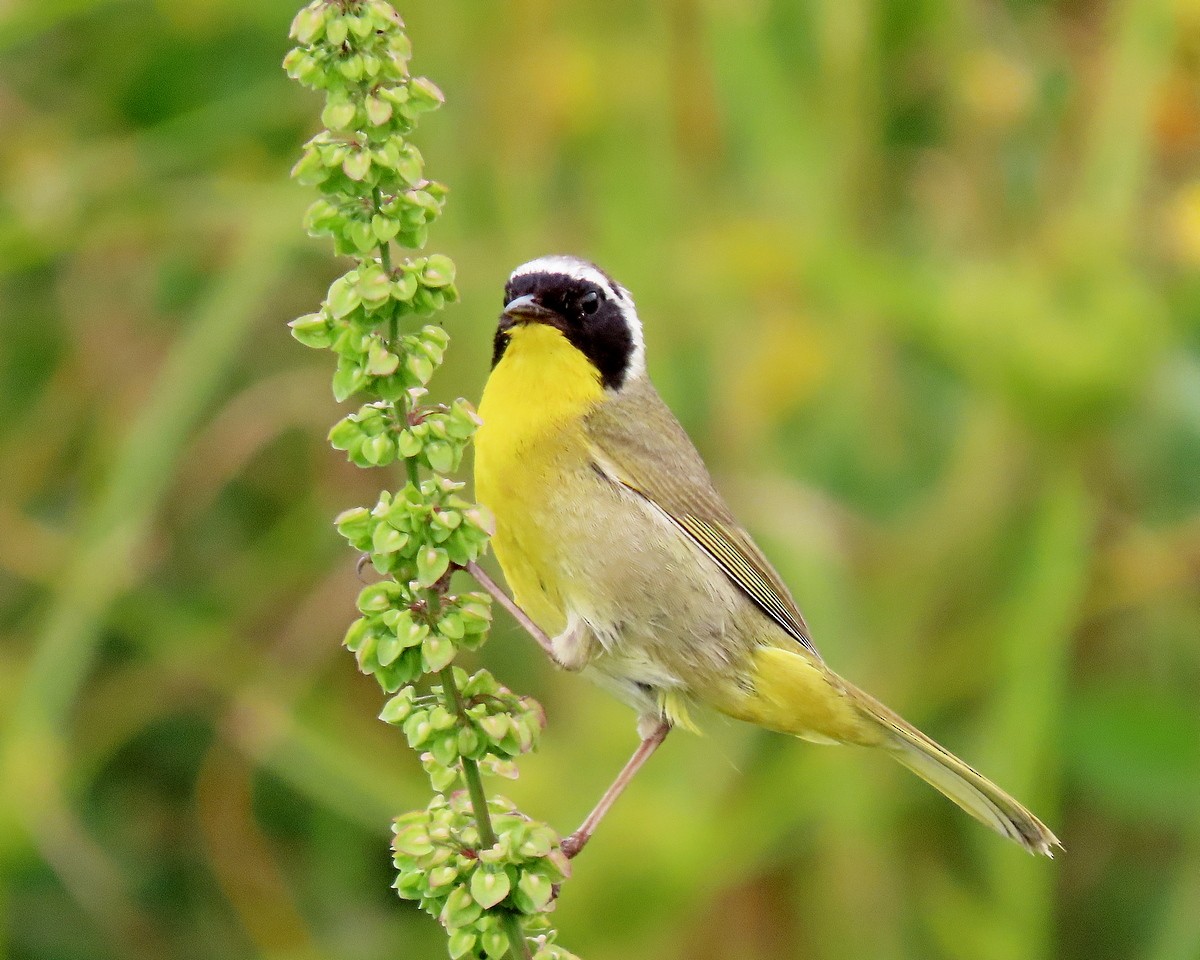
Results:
[417, 533]
[486, 721]
[359, 322]
[487, 872]
[436, 436]
[443, 863]
[371, 176]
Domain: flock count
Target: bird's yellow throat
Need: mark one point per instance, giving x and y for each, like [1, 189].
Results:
[532, 434]
[540, 384]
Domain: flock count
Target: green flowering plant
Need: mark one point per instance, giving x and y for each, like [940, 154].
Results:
[486, 871]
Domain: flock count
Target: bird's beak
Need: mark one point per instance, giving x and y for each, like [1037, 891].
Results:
[526, 309]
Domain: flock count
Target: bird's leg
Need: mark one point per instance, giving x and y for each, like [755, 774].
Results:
[502, 598]
[651, 739]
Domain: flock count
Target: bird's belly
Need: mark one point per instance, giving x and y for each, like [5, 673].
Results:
[576, 547]
[536, 535]
[528, 453]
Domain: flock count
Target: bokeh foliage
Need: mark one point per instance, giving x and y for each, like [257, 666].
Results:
[921, 280]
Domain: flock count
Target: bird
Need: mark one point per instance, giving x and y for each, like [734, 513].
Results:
[617, 546]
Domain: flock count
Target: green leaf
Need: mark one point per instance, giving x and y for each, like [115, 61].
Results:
[361, 236]
[408, 444]
[445, 750]
[355, 634]
[410, 632]
[418, 730]
[436, 653]
[468, 742]
[397, 709]
[357, 164]
[387, 539]
[461, 942]
[335, 31]
[424, 94]
[415, 237]
[379, 451]
[361, 26]
[495, 943]
[404, 287]
[387, 649]
[451, 626]
[343, 296]
[410, 166]
[400, 45]
[381, 362]
[429, 300]
[412, 841]
[419, 366]
[338, 114]
[307, 25]
[443, 876]
[439, 271]
[440, 456]
[538, 843]
[489, 887]
[352, 67]
[379, 111]
[354, 524]
[310, 170]
[442, 719]
[312, 330]
[480, 517]
[384, 229]
[410, 885]
[345, 433]
[442, 779]
[534, 892]
[376, 597]
[432, 563]
[348, 380]
[497, 727]
[460, 910]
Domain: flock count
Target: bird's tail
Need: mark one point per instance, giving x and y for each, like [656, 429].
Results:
[938, 767]
[797, 694]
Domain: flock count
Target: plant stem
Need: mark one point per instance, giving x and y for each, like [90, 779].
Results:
[472, 776]
[516, 936]
[385, 261]
[483, 818]
[454, 701]
[385, 247]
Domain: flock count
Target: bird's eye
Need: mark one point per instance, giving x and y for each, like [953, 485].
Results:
[589, 303]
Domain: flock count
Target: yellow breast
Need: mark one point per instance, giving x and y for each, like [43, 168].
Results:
[530, 445]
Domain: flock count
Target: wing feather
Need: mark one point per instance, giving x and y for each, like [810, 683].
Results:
[638, 443]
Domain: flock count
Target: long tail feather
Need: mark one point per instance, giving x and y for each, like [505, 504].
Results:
[972, 791]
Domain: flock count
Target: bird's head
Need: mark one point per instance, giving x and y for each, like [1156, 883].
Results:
[591, 311]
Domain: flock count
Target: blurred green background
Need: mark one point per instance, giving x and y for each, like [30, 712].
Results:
[919, 277]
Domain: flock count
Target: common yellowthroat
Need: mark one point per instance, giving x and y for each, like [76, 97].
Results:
[616, 544]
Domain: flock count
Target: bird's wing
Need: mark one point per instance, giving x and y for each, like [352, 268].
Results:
[637, 442]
